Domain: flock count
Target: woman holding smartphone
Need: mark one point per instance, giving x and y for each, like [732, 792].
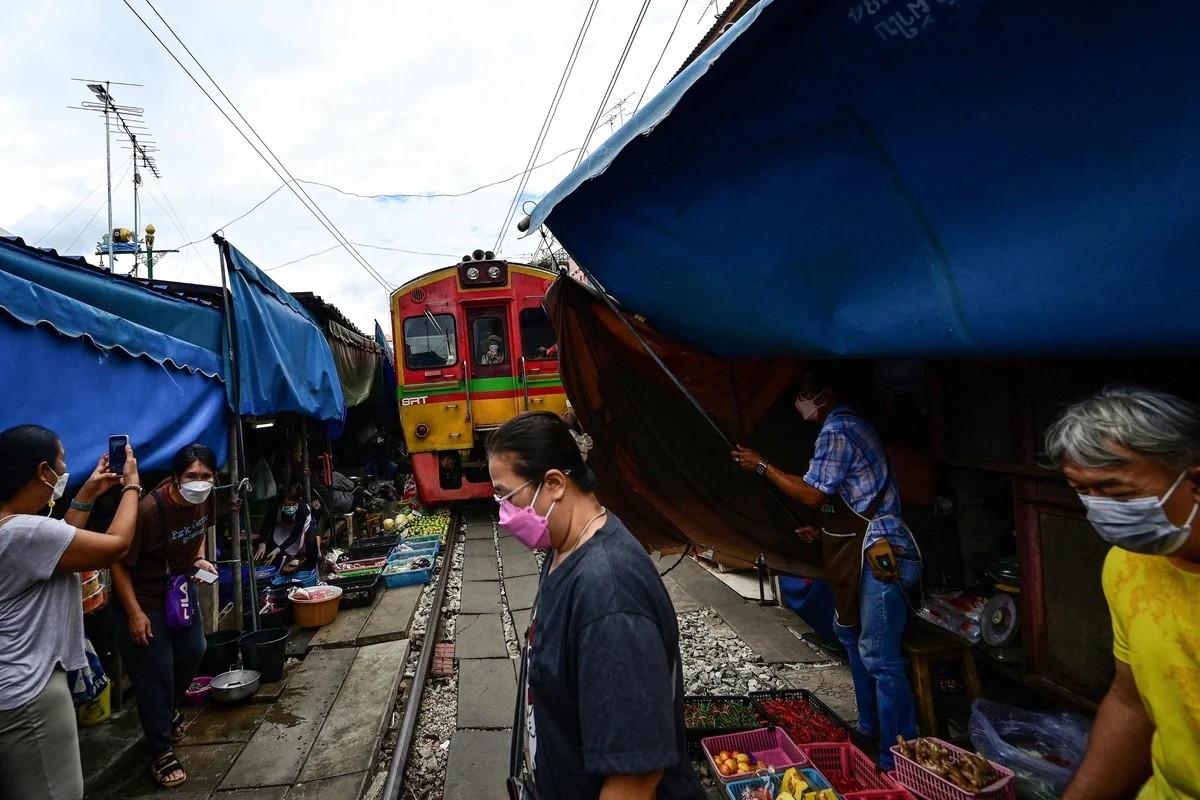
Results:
[162, 654]
[41, 617]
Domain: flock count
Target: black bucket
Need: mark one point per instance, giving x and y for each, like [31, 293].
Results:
[221, 655]
[263, 651]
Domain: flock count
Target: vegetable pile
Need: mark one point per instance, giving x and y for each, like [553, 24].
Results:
[720, 715]
[802, 722]
[967, 771]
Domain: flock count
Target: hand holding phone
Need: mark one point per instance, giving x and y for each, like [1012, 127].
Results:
[116, 453]
[203, 575]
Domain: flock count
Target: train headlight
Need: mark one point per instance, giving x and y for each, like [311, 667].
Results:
[494, 272]
[473, 274]
[421, 430]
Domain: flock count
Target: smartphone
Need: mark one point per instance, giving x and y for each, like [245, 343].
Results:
[203, 575]
[116, 452]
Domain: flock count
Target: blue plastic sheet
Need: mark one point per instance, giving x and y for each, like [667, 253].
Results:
[102, 298]
[284, 361]
[85, 394]
[928, 178]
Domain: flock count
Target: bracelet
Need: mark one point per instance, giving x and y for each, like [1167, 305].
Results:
[78, 506]
[135, 486]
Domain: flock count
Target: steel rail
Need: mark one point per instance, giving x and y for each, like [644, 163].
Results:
[408, 725]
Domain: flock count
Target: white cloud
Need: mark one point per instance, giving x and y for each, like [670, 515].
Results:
[373, 97]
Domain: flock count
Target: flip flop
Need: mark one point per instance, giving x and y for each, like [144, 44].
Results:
[177, 728]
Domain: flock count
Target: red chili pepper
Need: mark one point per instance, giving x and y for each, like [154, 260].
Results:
[804, 723]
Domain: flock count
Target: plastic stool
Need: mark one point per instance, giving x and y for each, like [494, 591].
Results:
[925, 646]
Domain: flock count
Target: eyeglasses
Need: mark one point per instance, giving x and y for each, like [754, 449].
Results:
[500, 499]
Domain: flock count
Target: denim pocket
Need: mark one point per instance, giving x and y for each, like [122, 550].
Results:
[910, 571]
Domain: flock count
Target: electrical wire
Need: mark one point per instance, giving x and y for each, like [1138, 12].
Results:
[359, 244]
[437, 194]
[69, 213]
[313, 209]
[658, 63]
[67, 249]
[545, 129]
[177, 223]
[612, 82]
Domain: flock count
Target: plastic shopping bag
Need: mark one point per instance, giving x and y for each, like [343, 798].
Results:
[1044, 750]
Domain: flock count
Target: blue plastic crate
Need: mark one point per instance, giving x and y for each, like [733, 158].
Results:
[816, 782]
[305, 579]
[429, 549]
[408, 577]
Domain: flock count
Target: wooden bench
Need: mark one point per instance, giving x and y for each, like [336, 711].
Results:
[923, 646]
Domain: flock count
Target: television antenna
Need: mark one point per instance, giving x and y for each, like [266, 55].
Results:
[129, 120]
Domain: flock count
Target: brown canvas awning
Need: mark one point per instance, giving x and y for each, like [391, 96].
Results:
[662, 468]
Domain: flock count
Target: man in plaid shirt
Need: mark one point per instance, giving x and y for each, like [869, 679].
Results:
[850, 461]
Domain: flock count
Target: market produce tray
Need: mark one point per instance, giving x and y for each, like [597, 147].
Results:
[359, 591]
[850, 770]
[356, 553]
[815, 780]
[806, 719]
[364, 563]
[305, 579]
[740, 707]
[406, 577]
[770, 745]
[920, 781]
[417, 549]
[376, 541]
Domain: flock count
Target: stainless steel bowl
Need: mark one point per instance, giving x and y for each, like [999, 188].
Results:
[232, 687]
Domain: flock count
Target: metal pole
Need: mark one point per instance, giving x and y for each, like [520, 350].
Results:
[137, 231]
[235, 520]
[306, 469]
[150, 261]
[108, 169]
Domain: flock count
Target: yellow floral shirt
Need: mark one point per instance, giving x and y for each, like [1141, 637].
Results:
[1155, 606]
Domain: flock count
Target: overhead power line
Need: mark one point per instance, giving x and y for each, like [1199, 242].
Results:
[514, 204]
[67, 249]
[612, 82]
[301, 195]
[654, 71]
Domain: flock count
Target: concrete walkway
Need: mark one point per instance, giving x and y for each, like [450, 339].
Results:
[315, 735]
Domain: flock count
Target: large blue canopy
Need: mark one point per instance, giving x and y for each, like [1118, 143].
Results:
[937, 178]
[72, 360]
[284, 361]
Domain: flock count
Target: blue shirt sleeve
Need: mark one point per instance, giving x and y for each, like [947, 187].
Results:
[831, 461]
[626, 696]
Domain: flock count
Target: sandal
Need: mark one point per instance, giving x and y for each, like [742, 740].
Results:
[177, 728]
[163, 766]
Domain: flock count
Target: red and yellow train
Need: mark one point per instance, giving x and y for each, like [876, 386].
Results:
[473, 349]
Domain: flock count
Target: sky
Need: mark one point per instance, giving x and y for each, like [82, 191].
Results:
[372, 97]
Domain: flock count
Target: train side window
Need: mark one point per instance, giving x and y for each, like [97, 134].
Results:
[429, 342]
[487, 334]
[537, 337]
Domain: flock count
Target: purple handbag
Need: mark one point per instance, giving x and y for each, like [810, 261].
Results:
[178, 602]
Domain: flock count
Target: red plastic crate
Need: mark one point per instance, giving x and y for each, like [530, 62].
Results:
[769, 745]
[880, 794]
[846, 759]
[921, 781]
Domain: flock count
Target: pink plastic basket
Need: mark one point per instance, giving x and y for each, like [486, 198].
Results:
[772, 746]
[845, 759]
[880, 794]
[931, 787]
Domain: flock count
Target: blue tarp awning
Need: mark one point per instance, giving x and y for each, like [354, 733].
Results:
[934, 178]
[284, 361]
[73, 359]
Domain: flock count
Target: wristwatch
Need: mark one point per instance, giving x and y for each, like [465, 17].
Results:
[761, 469]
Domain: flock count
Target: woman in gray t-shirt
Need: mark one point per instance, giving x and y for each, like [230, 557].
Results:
[41, 612]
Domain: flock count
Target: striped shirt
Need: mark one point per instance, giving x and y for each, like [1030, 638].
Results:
[850, 460]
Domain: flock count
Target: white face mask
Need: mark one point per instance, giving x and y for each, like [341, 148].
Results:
[58, 487]
[196, 492]
[809, 409]
[1139, 526]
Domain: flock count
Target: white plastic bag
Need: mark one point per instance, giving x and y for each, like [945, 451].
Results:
[1044, 750]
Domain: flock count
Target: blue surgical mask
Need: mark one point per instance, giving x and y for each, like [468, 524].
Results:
[1139, 526]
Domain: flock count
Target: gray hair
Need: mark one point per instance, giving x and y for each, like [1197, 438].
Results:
[1160, 426]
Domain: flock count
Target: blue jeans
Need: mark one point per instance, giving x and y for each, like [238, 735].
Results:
[881, 690]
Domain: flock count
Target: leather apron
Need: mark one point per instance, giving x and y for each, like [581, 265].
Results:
[843, 539]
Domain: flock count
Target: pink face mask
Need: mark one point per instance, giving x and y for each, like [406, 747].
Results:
[526, 525]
